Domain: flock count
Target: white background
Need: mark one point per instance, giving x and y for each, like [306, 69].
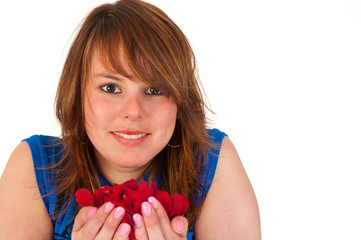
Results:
[284, 78]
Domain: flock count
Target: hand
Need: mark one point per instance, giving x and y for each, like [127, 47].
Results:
[154, 223]
[103, 223]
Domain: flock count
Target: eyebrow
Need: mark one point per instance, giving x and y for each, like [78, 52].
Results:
[107, 75]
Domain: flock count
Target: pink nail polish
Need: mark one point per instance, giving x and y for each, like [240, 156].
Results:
[92, 212]
[124, 229]
[179, 225]
[153, 201]
[119, 212]
[109, 207]
[146, 209]
[137, 220]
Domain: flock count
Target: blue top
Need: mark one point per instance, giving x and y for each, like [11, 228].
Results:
[46, 152]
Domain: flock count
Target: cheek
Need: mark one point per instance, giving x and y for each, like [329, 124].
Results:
[165, 114]
[96, 111]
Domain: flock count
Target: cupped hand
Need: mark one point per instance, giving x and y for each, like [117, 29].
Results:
[100, 223]
[154, 223]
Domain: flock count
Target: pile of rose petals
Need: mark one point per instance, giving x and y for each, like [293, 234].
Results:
[130, 196]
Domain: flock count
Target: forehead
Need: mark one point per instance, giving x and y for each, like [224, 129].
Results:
[101, 62]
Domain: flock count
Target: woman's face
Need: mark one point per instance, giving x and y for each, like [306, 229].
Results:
[127, 121]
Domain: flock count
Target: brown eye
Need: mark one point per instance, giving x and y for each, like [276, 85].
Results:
[111, 88]
[153, 91]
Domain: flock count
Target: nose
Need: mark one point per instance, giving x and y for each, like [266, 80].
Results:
[132, 108]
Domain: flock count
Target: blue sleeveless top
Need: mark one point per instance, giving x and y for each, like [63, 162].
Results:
[46, 152]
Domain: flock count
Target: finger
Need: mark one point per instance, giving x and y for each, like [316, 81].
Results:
[83, 217]
[180, 225]
[151, 222]
[170, 229]
[161, 213]
[111, 224]
[96, 221]
[123, 232]
[139, 228]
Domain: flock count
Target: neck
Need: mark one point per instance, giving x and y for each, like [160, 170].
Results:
[114, 174]
[121, 175]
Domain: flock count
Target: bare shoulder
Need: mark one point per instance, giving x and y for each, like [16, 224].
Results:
[23, 213]
[230, 210]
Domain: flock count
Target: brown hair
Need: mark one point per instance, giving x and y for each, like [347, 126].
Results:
[158, 53]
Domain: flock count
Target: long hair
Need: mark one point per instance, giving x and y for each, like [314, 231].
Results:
[159, 54]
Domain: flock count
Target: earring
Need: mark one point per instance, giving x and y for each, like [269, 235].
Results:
[174, 146]
[83, 142]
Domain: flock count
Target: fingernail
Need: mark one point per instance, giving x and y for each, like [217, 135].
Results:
[124, 229]
[119, 212]
[146, 209]
[153, 201]
[109, 207]
[92, 212]
[179, 225]
[137, 220]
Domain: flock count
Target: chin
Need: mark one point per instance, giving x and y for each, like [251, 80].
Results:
[131, 161]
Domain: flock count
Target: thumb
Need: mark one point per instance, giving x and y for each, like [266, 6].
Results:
[180, 225]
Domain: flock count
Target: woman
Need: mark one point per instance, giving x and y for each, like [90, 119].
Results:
[130, 107]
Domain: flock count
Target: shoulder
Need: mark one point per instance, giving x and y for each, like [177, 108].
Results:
[20, 199]
[237, 215]
[45, 151]
[44, 144]
[215, 135]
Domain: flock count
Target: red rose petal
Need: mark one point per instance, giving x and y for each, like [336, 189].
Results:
[137, 207]
[102, 195]
[132, 184]
[131, 234]
[145, 191]
[119, 204]
[180, 205]
[154, 185]
[128, 206]
[165, 199]
[131, 194]
[84, 197]
[118, 189]
[113, 197]
[128, 219]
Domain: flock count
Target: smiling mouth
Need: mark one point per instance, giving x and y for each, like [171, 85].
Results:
[130, 136]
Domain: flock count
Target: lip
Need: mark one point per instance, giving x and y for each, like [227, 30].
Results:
[130, 132]
[130, 138]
